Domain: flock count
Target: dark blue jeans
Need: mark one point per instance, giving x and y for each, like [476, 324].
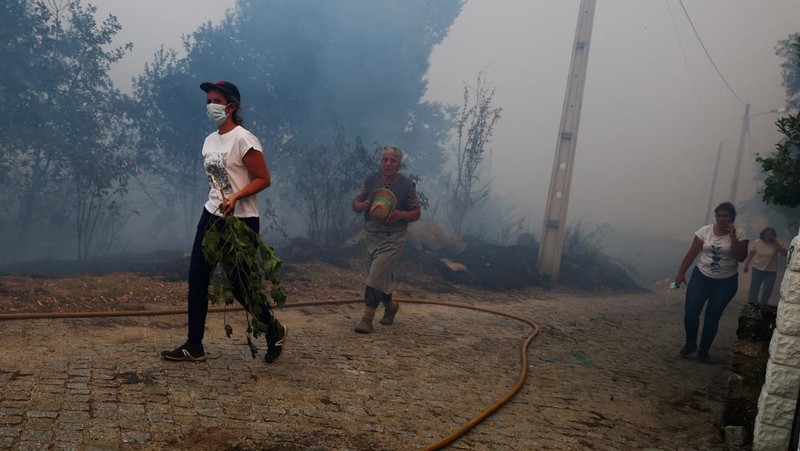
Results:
[200, 271]
[701, 290]
[757, 279]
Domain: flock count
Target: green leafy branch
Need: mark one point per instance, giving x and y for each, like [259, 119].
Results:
[782, 185]
[249, 263]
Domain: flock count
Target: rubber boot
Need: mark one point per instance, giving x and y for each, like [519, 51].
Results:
[365, 326]
[390, 309]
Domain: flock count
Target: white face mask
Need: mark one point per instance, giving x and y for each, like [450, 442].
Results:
[216, 113]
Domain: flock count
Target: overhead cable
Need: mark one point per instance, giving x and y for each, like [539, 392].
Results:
[697, 96]
[709, 55]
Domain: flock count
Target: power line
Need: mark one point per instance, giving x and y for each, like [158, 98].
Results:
[678, 36]
[683, 52]
[709, 55]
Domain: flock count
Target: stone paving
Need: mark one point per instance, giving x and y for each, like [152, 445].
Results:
[603, 374]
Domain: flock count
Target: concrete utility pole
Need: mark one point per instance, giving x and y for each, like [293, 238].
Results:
[554, 229]
[738, 168]
[742, 137]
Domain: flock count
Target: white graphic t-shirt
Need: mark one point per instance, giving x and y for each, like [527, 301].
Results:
[222, 160]
[716, 260]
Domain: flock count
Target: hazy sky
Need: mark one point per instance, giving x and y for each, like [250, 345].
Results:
[654, 109]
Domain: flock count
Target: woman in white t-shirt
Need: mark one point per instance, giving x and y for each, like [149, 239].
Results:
[233, 159]
[764, 258]
[715, 279]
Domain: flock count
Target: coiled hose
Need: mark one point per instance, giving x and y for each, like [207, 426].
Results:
[463, 429]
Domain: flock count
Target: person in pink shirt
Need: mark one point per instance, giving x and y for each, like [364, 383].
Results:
[763, 257]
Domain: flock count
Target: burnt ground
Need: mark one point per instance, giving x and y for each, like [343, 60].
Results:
[488, 266]
[482, 265]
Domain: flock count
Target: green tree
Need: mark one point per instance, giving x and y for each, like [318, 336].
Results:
[324, 180]
[782, 185]
[474, 126]
[67, 165]
[304, 67]
[789, 49]
[782, 182]
[169, 117]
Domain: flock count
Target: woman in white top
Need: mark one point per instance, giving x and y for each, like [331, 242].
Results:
[234, 163]
[715, 279]
[764, 258]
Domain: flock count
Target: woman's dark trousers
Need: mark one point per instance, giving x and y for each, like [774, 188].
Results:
[758, 279]
[702, 290]
[200, 271]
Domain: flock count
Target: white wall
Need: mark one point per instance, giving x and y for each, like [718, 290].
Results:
[779, 395]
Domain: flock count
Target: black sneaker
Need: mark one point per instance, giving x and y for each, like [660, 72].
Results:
[702, 356]
[687, 351]
[275, 345]
[186, 352]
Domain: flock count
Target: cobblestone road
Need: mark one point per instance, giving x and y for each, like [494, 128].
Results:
[604, 374]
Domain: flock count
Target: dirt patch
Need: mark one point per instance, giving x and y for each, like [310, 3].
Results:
[115, 291]
[65, 290]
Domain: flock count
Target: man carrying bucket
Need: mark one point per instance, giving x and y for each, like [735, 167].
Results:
[389, 203]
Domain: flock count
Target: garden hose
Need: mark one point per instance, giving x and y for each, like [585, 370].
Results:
[437, 445]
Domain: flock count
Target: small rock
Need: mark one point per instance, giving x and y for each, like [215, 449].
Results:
[735, 435]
